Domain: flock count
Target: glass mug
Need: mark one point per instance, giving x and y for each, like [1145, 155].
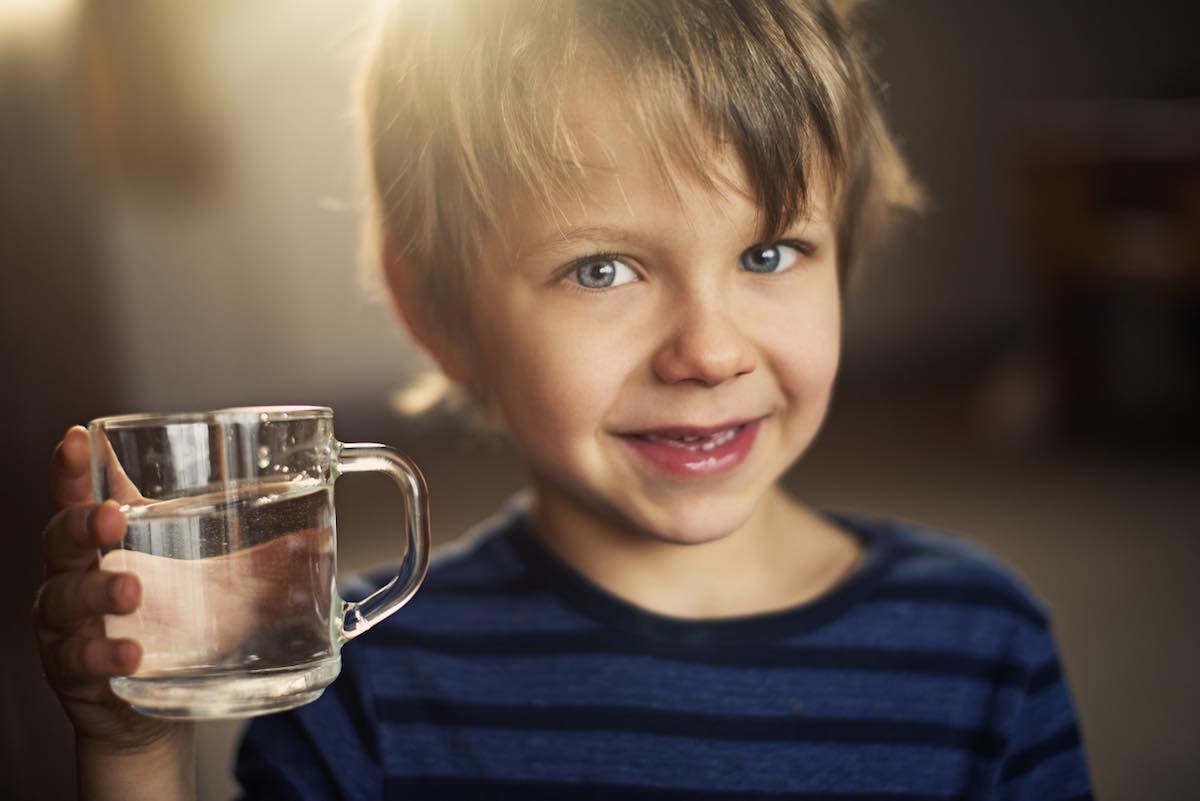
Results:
[231, 532]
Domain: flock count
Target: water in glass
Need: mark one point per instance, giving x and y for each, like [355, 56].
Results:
[237, 588]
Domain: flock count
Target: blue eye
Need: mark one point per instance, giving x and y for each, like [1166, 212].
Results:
[603, 273]
[773, 258]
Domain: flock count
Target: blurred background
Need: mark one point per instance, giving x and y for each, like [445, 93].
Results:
[179, 219]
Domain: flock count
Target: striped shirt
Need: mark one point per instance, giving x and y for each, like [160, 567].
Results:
[929, 673]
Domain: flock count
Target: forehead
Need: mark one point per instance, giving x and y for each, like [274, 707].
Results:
[623, 178]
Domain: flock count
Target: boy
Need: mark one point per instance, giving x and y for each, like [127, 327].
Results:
[623, 230]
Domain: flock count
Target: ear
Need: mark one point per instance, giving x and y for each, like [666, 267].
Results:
[418, 314]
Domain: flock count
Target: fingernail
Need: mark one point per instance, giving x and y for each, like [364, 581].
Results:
[116, 588]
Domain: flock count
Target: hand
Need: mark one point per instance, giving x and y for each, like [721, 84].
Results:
[68, 616]
[269, 602]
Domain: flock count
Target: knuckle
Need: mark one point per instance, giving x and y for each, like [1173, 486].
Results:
[58, 527]
[77, 524]
[82, 658]
[93, 596]
[86, 593]
[66, 600]
[63, 519]
[68, 658]
[94, 656]
[96, 596]
[47, 606]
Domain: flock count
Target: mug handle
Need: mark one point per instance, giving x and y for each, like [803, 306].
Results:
[368, 457]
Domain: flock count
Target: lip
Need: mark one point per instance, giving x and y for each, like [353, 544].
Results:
[678, 461]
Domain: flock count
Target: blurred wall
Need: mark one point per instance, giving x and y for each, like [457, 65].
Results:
[966, 81]
[216, 265]
[240, 283]
[58, 359]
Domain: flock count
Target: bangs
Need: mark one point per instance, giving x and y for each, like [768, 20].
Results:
[687, 79]
[470, 104]
[728, 75]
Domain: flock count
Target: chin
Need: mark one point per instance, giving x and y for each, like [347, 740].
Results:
[699, 524]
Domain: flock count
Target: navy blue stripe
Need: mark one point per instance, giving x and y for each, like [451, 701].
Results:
[494, 645]
[1045, 676]
[352, 705]
[949, 594]
[671, 723]
[266, 775]
[446, 788]
[1026, 760]
[963, 595]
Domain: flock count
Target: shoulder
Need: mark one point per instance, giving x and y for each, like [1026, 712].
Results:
[477, 559]
[987, 610]
[933, 565]
[925, 589]
[475, 584]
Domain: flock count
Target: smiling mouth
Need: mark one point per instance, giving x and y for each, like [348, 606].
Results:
[694, 451]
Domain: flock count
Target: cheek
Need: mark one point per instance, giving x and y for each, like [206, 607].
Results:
[554, 382]
[820, 352]
[804, 355]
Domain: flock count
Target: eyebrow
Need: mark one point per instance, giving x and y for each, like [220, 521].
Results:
[586, 232]
[565, 236]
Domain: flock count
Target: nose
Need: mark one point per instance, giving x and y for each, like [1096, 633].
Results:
[706, 345]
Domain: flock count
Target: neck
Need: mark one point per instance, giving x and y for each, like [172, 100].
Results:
[782, 556]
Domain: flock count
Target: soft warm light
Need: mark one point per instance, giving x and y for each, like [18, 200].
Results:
[423, 394]
[23, 17]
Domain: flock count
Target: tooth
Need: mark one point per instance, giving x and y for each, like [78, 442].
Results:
[695, 442]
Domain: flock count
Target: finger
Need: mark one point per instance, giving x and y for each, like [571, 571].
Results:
[70, 477]
[71, 540]
[66, 600]
[84, 658]
[119, 486]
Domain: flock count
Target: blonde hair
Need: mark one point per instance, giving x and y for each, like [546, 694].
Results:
[465, 108]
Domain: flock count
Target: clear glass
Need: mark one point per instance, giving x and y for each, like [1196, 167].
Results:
[232, 533]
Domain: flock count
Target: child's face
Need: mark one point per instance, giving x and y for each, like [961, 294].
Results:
[684, 326]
